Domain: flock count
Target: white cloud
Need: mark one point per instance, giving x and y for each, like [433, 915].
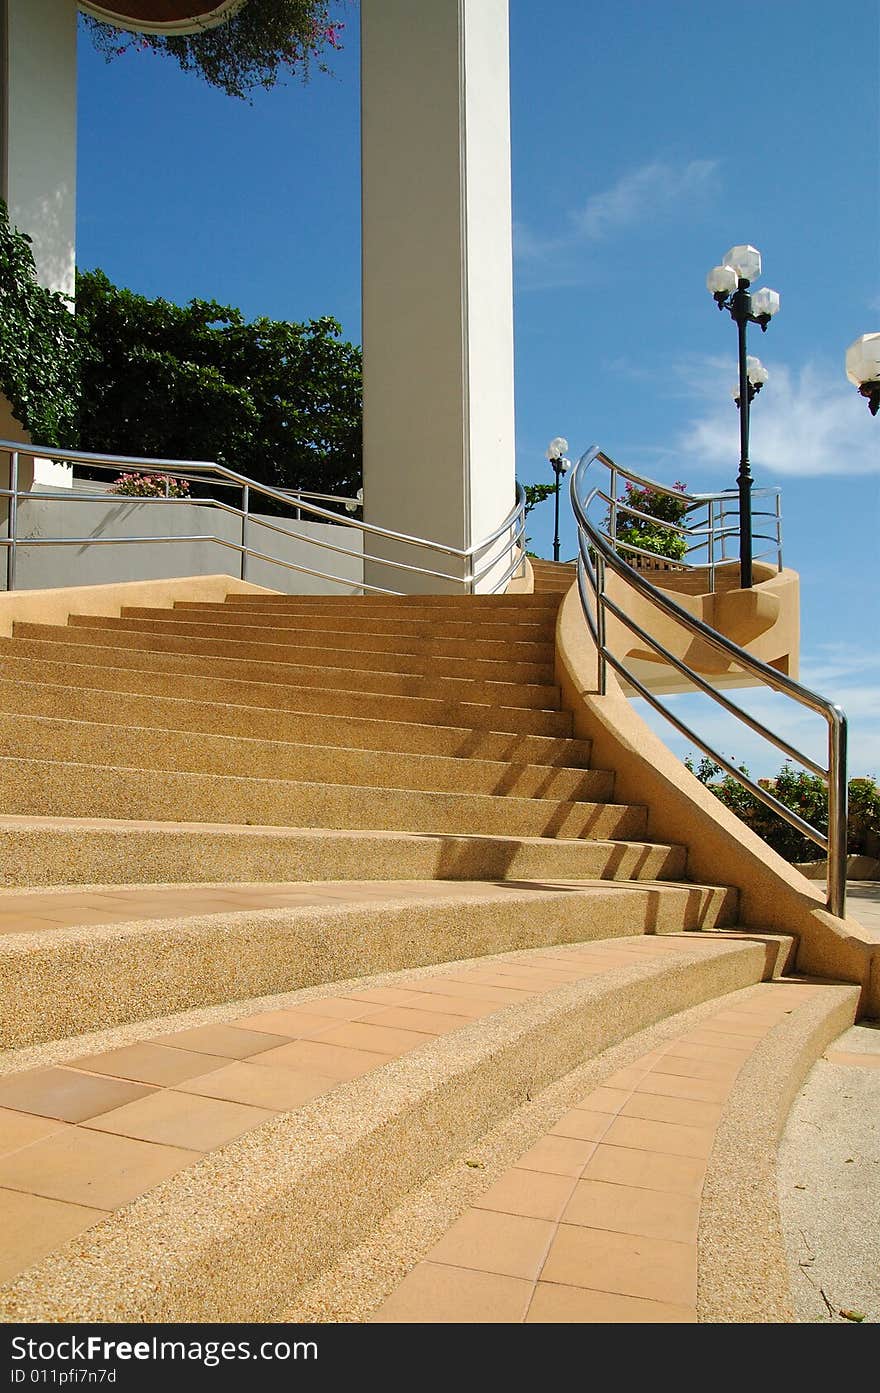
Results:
[807, 421]
[644, 192]
[643, 195]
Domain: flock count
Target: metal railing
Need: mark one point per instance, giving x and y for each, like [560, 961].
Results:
[503, 548]
[598, 552]
[710, 534]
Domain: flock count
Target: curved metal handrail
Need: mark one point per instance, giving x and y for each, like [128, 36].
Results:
[598, 551]
[219, 475]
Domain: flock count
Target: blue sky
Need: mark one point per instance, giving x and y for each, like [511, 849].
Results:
[648, 137]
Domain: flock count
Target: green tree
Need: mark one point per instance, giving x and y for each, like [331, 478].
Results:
[262, 41]
[278, 401]
[535, 494]
[39, 363]
[644, 533]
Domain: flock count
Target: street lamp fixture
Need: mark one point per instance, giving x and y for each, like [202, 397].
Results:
[560, 465]
[729, 285]
[863, 368]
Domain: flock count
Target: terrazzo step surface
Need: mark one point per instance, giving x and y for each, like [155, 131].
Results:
[44, 851]
[71, 960]
[149, 1173]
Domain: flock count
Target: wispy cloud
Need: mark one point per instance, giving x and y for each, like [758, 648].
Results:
[808, 421]
[641, 196]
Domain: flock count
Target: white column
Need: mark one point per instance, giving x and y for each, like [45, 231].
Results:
[38, 157]
[437, 278]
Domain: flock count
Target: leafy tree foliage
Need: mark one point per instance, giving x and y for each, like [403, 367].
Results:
[640, 532]
[278, 401]
[262, 41]
[39, 372]
[803, 793]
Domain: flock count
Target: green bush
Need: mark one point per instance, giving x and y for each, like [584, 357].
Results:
[805, 794]
[639, 532]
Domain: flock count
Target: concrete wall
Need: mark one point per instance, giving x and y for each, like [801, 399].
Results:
[44, 567]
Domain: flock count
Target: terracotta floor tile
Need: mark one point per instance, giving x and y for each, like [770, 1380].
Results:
[154, 1064]
[597, 1204]
[557, 1156]
[680, 1175]
[18, 1129]
[587, 1126]
[260, 1085]
[393, 996]
[714, 1050]
[535, 1194]
[92, 1168]
[466, 1008]
[65, 1094]
[489, 1241]
[181, 1120]
[738, 1023]
[226, 1040]
[670, 1138]
[609, 1100]
[632, 1265]
[553, 1304]
[861, 1060]
[32, 1227]
[335, 1061]
[299, 1021]
[626, 1078]
[700, 1068]
[693, 1112]
[412, 1018]
[493, 997]
[453, 1295]
[364, 1035]
[742, 1044]
[680, 1086]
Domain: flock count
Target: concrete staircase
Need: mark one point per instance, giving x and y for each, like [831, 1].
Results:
[305, 899]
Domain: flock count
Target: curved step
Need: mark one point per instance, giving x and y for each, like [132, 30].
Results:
[60, 788]
[90, 742]
[188, 1203]
[200, 714]
[107, 957]
[528, 633]
[281, 696]
[651, 1199]
[210, 659]
[96, 851]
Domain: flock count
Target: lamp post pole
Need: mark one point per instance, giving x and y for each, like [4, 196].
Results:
[729, 284]
[560, 465]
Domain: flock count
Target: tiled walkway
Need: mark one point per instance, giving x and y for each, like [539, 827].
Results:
[598, 1221]
[80, 1140]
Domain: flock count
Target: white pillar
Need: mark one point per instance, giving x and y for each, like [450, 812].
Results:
[38, 160]
[437, 278]
[39, 131]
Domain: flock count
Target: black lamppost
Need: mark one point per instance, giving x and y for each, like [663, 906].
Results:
[863, 368]
[560, 465]
[729, 284]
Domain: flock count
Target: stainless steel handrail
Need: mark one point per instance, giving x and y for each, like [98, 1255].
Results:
[510, 531]
[597, 552]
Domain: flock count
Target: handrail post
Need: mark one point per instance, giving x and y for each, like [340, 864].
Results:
[837, 816]
[245, 503]
[778, 531]
[12, 521]
[600, 624]
[711, 546]
[612, 518]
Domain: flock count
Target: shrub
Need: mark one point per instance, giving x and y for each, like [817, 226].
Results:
[150, 486]
[641, 533]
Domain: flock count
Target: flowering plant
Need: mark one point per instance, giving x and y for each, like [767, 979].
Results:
[639, 532]
[150, 486]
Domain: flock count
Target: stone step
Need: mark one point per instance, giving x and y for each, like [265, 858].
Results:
[93, 742]
[348, 631]
[220, 1187]
[475, 607]
[56, 788]
[95, 851]
[156, 653]
[258, 723]
[231, 641]
[282, 697]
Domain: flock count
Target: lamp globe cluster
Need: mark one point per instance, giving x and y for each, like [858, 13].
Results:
[863, 368]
